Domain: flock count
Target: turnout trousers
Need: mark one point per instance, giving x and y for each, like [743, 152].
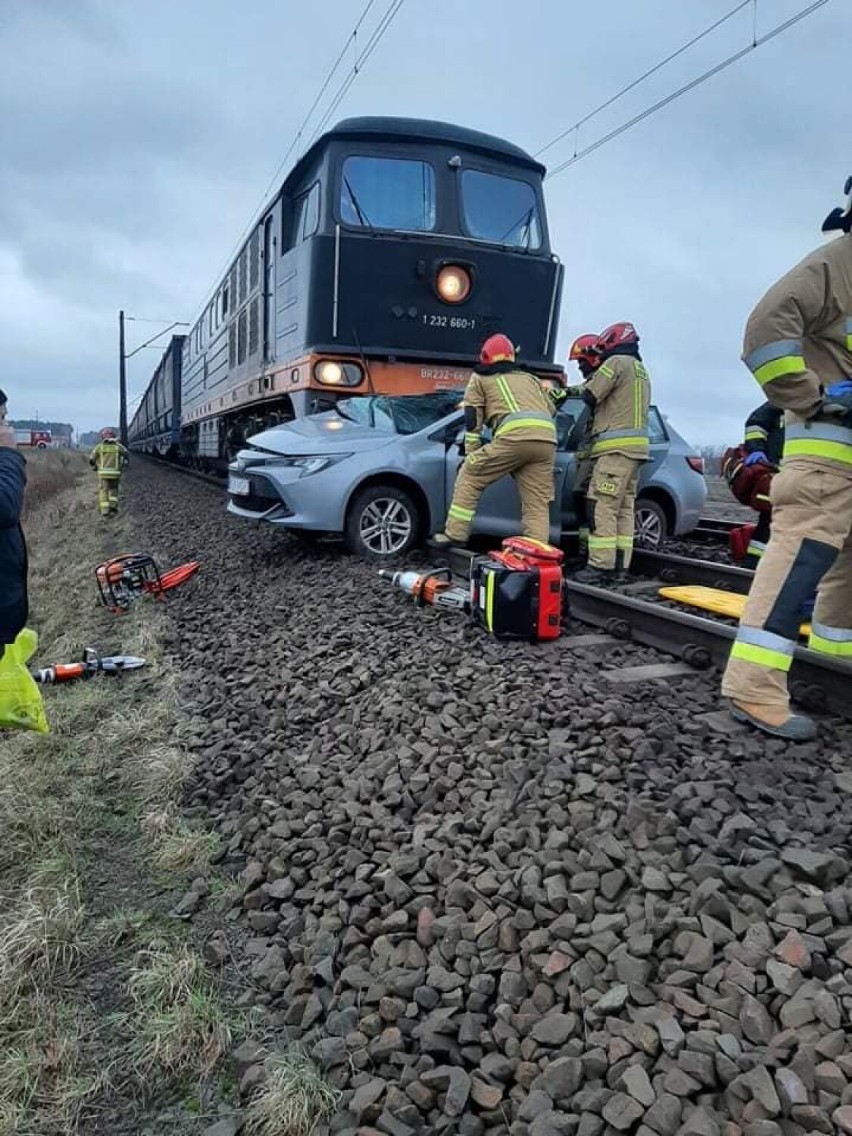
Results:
[810, 550]
[108, 494]
[529, 462]
[611, 501]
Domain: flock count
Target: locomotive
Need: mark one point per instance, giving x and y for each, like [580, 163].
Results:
[392, 249]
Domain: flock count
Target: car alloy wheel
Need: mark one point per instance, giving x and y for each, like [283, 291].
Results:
[385, 526]
[650, 525]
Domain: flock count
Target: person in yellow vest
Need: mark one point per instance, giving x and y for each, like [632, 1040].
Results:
[520, 413]
[619, 394]
[798, 346]
[108, 459]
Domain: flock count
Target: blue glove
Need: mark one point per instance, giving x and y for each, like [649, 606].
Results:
[838, 389]
[757, 456]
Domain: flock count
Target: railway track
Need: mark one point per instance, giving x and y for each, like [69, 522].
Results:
[714, 530]
[635, 613]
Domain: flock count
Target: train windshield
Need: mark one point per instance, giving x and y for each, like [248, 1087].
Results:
[387, 193]
[500, 209]
[404, 414]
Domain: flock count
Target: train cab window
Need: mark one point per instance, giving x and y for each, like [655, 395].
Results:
[387, 193]
[306, 209]
[500, 209]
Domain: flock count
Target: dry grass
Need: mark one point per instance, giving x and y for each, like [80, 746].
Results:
[294, 1099]
[180, 1026]
[49, 472]
[94, 803]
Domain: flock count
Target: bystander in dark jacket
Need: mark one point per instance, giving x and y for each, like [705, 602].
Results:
[13, 550]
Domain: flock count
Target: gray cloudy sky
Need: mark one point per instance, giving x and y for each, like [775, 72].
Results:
[137, 137]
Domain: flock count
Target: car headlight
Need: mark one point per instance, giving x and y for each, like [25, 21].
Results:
[314, 463]
[453, 284]
[332, 373]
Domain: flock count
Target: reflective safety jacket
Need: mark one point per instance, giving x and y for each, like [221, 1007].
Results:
[798, 341]
[619, 393]
[510, 402]
[764, 432]
[109, 459]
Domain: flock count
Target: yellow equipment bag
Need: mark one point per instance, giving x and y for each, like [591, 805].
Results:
[731, 604]
[21, 707]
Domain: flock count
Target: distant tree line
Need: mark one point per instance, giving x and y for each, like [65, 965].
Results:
[64, 428]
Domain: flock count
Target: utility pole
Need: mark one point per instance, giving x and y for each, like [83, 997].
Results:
[122, 382]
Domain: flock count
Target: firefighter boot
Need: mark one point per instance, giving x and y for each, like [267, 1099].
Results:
[775, 721]
[596, 576]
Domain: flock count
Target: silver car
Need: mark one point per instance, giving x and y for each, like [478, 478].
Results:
[380, 471]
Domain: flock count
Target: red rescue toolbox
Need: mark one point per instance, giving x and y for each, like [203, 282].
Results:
[517, 593]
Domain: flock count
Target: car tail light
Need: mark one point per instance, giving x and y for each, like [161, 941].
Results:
[697, 464]
[453, 284]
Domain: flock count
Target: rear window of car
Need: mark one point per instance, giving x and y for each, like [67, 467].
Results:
[656, 426]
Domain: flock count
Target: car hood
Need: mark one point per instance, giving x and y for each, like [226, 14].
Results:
[320, 434]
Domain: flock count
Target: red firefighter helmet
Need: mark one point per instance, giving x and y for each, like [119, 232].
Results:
[585, 349]
[497, 349]
[618, 335]
[108, 435]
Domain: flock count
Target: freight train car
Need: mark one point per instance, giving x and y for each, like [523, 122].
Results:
[393, 248]
[155, 427]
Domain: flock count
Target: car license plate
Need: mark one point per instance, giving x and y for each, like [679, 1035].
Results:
[239, 486]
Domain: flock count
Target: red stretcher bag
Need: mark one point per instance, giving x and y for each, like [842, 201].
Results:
[748, 483]
[739, 540]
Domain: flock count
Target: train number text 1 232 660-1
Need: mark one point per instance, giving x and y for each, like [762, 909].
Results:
[461, 323]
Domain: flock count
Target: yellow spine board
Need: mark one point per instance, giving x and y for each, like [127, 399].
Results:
[730, 604]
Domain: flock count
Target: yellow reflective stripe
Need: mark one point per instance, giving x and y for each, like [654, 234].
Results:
[814, 448]
[755, 434]
[472, 436]
[603, 541]
[461, 514]
[624, 542]
[761, 656]
[505, 391]
[841, 649]
[489, 601]
[849, 335]
[618, 443]
[524, 423]
[606, 371]
[775, 368]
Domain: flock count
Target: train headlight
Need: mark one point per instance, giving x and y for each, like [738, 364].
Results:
[331, 373]
[453, 284]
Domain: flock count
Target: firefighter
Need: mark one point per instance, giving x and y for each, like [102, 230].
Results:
[798, 345]
[763, 444]
[514, 405]
[618, 393]
[108, 459]
[585, 352]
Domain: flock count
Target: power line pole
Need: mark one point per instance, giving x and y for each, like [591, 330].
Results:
[122, 382]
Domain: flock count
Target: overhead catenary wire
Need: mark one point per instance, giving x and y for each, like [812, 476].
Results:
[350, 77]
[729, 61]
[371, 45]
[646, 75]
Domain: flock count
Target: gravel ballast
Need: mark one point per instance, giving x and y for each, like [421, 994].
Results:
[495, 893]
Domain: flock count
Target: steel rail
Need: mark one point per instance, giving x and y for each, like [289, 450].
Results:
[671, 569]
[817, 681]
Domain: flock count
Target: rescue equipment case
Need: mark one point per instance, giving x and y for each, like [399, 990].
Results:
[517, 593]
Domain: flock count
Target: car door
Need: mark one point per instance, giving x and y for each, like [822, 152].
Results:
[658, 449]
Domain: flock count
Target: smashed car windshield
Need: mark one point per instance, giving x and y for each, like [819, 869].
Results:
[405, 414]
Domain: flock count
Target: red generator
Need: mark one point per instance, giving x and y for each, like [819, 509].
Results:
[517, 593]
